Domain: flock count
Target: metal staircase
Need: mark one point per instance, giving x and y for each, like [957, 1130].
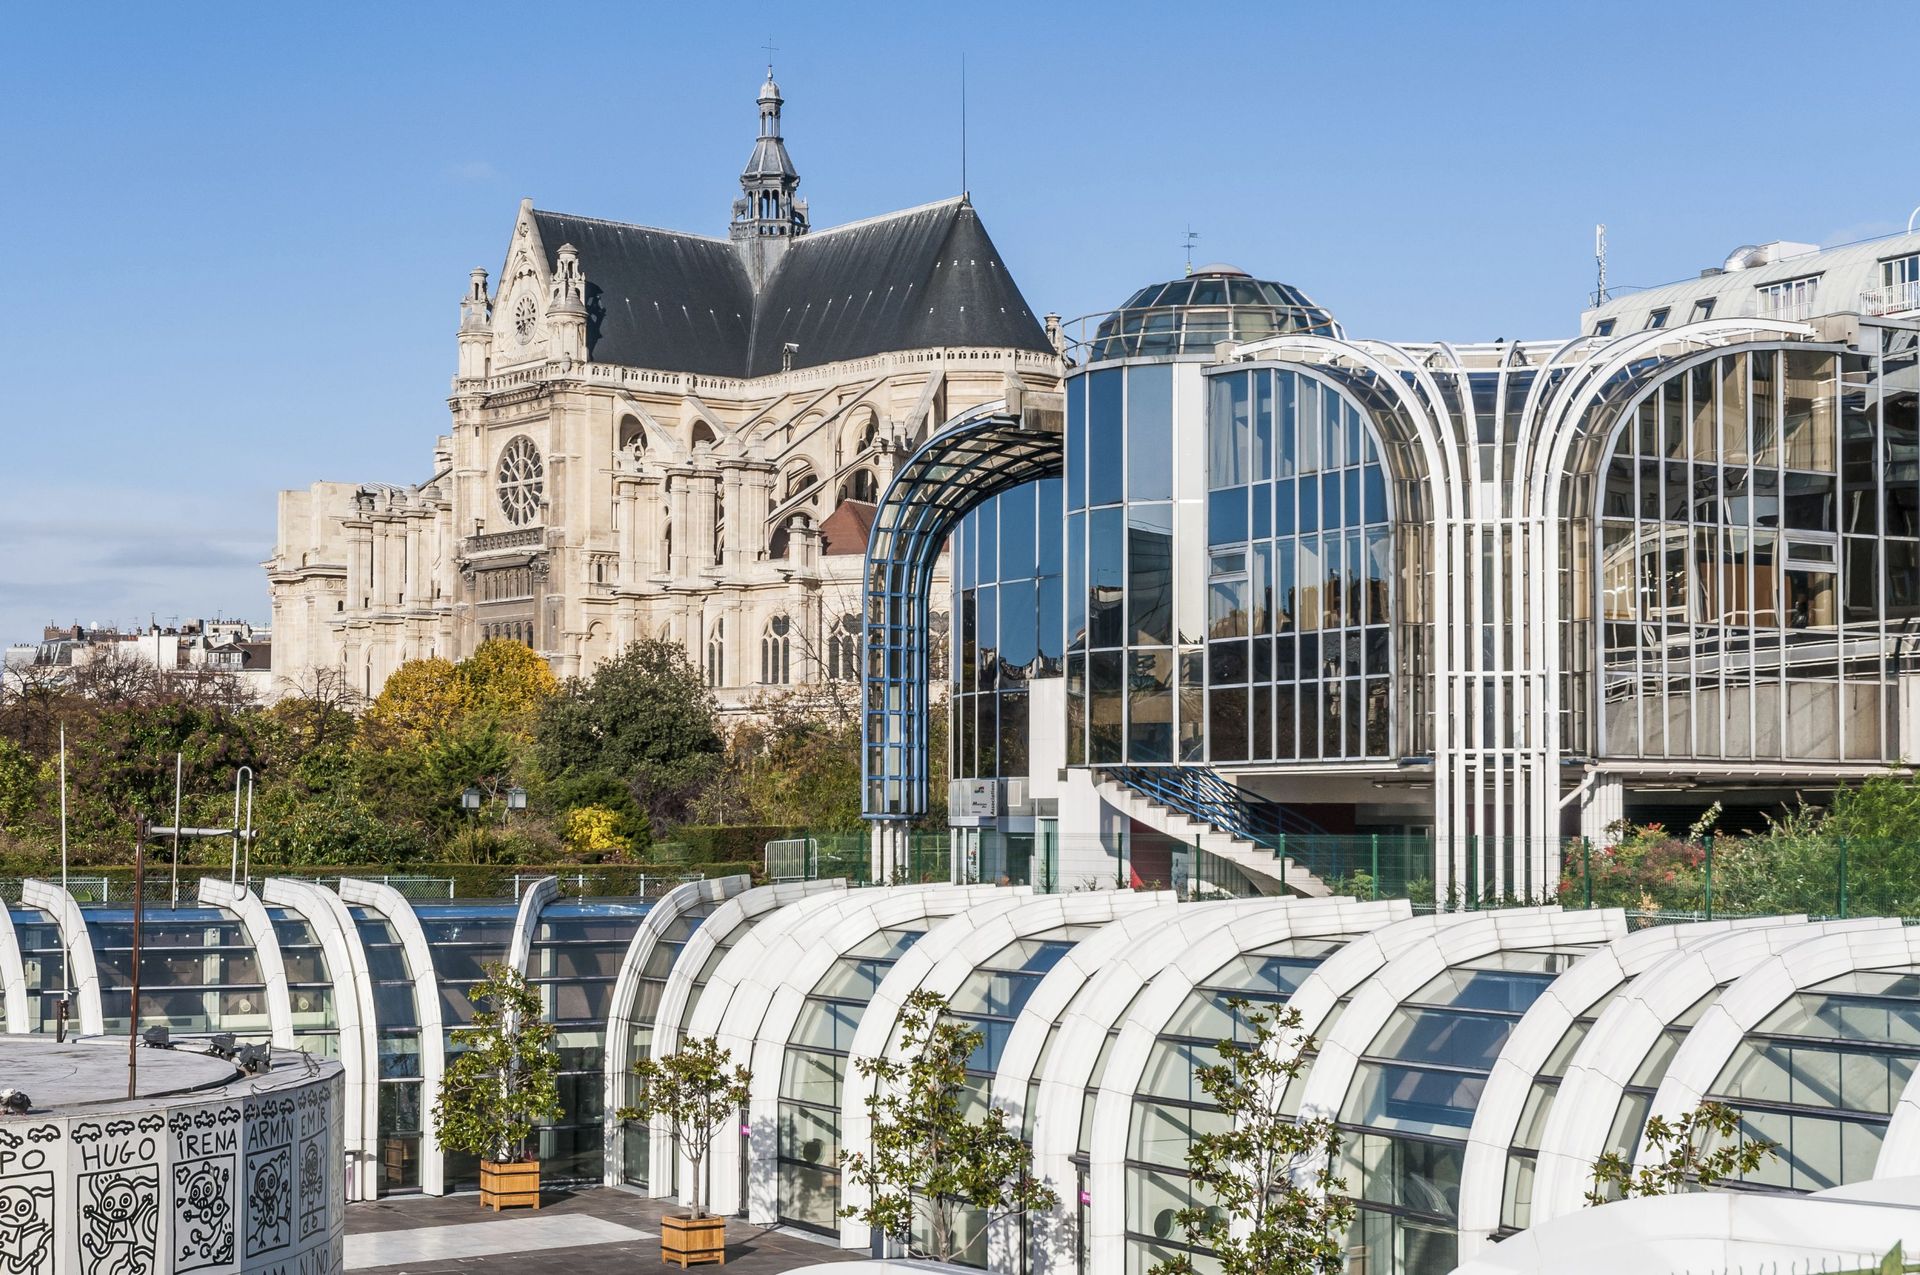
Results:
[1269, 842]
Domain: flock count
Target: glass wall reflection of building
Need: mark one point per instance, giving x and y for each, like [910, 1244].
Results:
[1479, 599]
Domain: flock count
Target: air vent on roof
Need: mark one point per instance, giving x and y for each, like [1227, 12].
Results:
[1747, 256]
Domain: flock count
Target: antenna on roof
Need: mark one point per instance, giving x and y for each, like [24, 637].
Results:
[963, 127]
[1600, 263]
[1192, 237]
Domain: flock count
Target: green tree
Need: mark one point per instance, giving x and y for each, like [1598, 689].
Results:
[1278, 1206]
[937, 1176]
[502, 1081]
[19, 786]
[1699, 1149]
[697, 1092]
[644, 716]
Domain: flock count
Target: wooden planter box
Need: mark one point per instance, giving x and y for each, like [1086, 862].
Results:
[510, 1186]
[689, 1240]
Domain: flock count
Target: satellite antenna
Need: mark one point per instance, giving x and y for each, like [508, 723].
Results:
[1193, 237]
[1600, 264]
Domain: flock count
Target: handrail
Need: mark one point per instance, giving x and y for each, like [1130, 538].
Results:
[1202, 794]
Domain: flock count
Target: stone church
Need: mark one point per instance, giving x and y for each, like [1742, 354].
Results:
[664, 434]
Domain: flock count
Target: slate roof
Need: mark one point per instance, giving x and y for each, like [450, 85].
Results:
[659, 299]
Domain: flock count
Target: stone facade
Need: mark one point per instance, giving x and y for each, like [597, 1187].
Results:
[652, 435]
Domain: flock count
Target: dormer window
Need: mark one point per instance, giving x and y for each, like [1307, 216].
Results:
[1603, 328]
[1789, 299]
[1703, 309]
[1658, 319]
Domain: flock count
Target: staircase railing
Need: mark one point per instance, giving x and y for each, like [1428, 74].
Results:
[1202, 795]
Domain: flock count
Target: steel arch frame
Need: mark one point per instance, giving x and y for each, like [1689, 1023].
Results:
[964, 464]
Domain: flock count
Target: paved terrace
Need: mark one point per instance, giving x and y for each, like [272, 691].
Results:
[573, 1233]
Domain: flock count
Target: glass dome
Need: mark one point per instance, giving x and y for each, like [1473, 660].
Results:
[1191, 315]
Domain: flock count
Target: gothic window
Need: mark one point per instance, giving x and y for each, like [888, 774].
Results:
[776, 650]
[799, 479]
[843, 649]
[522, 481]
[716, 652]
[864, 486]
[633, 435]
[719, 528]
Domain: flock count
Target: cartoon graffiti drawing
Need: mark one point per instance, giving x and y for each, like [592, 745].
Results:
[119, 1221]
[26, 1225]
[203, 1213]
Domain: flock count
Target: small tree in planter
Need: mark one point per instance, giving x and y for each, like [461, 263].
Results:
[501, 1086]
[698, 1092]
[931, 1166]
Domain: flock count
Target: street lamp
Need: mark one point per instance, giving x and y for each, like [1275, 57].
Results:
[516, 800]
[470, 800]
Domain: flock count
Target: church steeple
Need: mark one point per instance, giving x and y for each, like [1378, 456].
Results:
[768, 214]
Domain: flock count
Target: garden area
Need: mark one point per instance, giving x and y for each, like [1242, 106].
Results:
[462, 777]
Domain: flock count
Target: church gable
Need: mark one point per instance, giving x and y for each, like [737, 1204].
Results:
[774, 296]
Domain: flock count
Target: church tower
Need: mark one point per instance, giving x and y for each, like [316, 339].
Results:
[767, 216]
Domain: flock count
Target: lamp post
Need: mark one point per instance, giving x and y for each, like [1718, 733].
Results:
[470, 801]
[516, 800]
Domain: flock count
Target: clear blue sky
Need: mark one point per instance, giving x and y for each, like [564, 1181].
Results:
[239, 233]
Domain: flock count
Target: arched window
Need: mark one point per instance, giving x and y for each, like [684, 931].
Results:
[776, 651]
[798, 479]
[716, 652]
[863, 486]
[719, 528]
[703, 435]
[843, 649]
[633, 435]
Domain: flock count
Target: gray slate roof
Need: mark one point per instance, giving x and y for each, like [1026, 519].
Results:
[675, 302]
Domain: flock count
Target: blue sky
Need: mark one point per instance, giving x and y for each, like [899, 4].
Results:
[239, 233]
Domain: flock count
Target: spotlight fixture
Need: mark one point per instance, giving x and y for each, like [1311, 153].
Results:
[157, 1037]
[14, 1102]
[255, 1059]
[221, 1045]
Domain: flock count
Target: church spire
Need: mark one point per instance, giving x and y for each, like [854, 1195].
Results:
[768, 209]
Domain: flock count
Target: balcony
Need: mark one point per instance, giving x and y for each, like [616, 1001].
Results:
[1893, 298]
[498, 541]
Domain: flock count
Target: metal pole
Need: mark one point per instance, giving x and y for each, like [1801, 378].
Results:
[1376, 865]
[246, 841]
[133, 1014]
[174, 889]
[233, 870]
[1709, 841]
[1586, 866]
[63, 805]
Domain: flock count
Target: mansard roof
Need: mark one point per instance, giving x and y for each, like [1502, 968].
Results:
[925, 277]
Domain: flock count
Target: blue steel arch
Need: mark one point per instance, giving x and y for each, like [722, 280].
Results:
[962, 466]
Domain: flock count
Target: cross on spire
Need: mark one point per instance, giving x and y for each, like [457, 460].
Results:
[771, 50]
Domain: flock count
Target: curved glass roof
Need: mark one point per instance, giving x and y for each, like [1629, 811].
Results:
[1191, 315]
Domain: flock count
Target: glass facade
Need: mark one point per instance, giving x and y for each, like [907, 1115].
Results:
[1411, 1103]
[396, 1017]
[814, 1071]
[1516, 1196]
[636, 1143]
[463, 936]
[198, 971]
[1820, 1075]
[1299, 657]
[1759, 558]
[573, 964]
[45, 962]
[1007, 585]
[309, 984]
[1280, 647]
[1172, 1109]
